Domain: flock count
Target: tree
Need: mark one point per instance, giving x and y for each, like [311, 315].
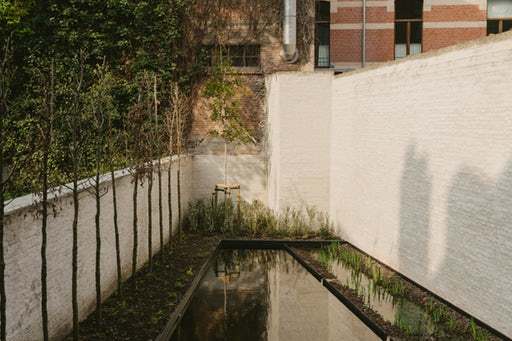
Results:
[151, 136]
[44, 121]
[100, 108]
[115, 158]
[5, 75]
[170, 118]
[135, 155]
[75, 156]
[179, 103]
[148, 135]
[223, 89]
[11, 14]
[14, 149]
[158, 147]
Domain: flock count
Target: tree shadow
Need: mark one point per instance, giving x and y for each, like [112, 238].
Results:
[476, 268]
[415, 205]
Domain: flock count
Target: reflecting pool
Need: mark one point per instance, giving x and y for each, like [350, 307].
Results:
[254, 295]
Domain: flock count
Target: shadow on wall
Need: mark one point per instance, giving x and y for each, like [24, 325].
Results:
[415, 204]
[476, 269]
[479, 237]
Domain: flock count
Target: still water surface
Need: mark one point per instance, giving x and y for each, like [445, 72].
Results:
[399, 311]
[260, 295]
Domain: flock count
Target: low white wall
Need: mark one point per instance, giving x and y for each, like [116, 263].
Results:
[250, 171]
[419, 167]
[23, 260]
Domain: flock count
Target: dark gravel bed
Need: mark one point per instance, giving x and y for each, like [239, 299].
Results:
[148, 299]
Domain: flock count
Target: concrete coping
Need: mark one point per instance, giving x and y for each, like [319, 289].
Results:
[32, 200]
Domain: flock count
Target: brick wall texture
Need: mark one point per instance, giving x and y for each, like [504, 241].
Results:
[23, 260]
[445, 23]
[419, 157]
[200, 173]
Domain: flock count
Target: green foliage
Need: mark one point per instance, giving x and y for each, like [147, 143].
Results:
[132, 38]
[477, 333]
[254, 220]
[12, 12]
[360, 263]
[445, 319]
[223, 89]
[101, 111]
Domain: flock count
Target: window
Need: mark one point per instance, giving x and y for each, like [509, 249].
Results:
[499, 16]
[238, 55]
[408, 27]
[322, 34]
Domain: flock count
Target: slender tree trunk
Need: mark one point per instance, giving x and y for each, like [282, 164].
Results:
[74, 280]
[179, 196]
[116, 232]
[98, 243]
[159, 170]
[160, 206]
[135, 229]
[169, 198]
[225, 163]
[150, 219]
[44, 224]
[76, 204]
[179, 142]
[3, 300]
[2, 262]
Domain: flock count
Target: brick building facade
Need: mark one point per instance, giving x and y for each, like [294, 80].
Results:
[397, 28]
[332, 36]
[253, 53]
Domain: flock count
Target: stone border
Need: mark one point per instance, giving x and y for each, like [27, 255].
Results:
[30, 201]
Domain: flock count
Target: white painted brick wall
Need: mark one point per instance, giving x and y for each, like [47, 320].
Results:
[23, 240]
[419, 166]
[250, 171]
[413, 161]
[421, 159]
[299, 107]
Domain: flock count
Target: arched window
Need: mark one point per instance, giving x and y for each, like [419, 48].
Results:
[499, 16]
[408, 27]
[322, 34]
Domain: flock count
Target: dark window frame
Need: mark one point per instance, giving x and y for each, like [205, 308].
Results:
[500, 22]
[239, 55]
[322, 21]
[408, 28]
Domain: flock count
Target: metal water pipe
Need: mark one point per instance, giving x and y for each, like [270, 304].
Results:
[363, 37]
[290, 53]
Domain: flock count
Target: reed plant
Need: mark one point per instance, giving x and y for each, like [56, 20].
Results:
[255, 220]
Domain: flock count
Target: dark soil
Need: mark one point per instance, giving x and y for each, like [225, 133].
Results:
[148, 299]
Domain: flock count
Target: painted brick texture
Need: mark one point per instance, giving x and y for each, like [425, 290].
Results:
[436, 38]
[444, 25]
[419, 158]
[460, 12]
[23, 240]
[200, 173]
[298, 124]
[421, 172]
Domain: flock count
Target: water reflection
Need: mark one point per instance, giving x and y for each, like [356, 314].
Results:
[407, 315]
[257, 295]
